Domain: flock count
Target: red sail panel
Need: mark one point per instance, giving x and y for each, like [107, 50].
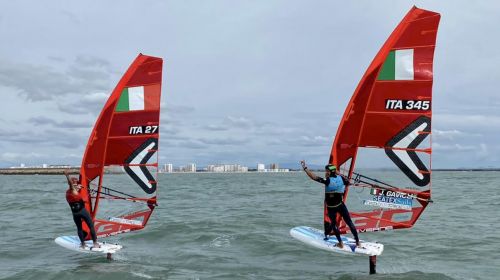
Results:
[390, 113]
[126, 136]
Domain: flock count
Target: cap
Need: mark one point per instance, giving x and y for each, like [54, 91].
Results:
[331, 167]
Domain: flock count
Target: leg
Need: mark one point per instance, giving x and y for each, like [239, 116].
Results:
[90, 224]
[347, 219]
[78, 222]
[332, 214]
[326, 224]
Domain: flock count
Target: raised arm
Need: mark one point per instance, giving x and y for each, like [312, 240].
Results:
[308, 172]
[66, 173]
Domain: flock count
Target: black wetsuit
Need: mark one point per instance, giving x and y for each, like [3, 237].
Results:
[79, 212]
[334, 205]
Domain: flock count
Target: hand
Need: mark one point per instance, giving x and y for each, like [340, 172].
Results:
[303, 163]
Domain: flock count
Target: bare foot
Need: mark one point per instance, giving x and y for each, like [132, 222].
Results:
[96, 245]
[340, 245]
[82, 245]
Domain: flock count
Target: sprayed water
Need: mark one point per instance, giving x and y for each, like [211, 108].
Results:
[235, 226]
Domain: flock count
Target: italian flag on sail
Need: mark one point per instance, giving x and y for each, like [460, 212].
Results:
[139, 98]
[375, 191]
[398, 65]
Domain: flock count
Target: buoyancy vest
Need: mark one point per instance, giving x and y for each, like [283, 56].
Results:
[336, 185]
[75, 201]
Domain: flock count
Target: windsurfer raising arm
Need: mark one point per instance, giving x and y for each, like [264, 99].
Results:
[77, 205]
[334, 190]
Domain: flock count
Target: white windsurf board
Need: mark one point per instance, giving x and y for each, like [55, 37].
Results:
[315, 237]
[73, 243]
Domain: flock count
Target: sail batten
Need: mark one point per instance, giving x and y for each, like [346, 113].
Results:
[386, 129]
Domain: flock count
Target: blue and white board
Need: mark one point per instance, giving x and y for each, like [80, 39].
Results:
[314, 237]
[73, 243]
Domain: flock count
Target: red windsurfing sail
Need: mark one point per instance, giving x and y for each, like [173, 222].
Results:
[125, 139]
[387, 125]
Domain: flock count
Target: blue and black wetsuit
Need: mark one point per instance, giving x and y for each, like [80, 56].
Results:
[334, 192]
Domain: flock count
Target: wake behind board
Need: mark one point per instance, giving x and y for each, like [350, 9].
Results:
[314, 237]
[73, 243]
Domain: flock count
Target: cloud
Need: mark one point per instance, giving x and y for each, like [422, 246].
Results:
[92, 61]
[16, 157]
[238, 122]
[231, 123]
[303, 140]
[216, 127]
[71, 16]
[41, 82]
[190, 144]
[41, 120]
[223, 141]
[34, 83]
[483, 151]
[90, 103]
[176, 109]
[468, 121]
[453, 147]
[36, 138]
[56, 59]
[448, 134]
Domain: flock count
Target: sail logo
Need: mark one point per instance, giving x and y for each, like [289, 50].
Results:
[136, 165]
[398, 104]
[142, 129]
[382, 192]
[401, 150]
[389, 203]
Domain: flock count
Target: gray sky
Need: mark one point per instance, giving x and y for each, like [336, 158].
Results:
[244, 81]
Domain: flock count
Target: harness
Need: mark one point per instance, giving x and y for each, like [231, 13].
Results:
[76, 206]
[334, 192]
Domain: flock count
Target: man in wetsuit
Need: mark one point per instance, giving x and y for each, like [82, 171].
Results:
[334, 192]
[77, 205]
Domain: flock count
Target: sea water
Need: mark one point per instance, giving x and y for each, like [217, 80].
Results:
[236, 226]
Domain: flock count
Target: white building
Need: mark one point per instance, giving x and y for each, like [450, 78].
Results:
[261, 167]
[274, 166]
[226, 168]
[190, 167]
[169, 168]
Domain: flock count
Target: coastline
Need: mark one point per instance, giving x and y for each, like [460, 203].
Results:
[76, 170]
[38, 171]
